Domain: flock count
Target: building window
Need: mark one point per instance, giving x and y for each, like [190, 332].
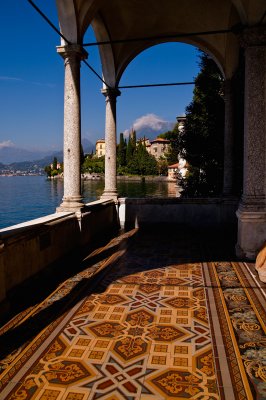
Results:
[155, 149]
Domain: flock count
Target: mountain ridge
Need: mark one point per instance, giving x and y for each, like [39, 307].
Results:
[12, 156]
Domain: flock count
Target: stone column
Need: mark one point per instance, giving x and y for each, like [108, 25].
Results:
[110, 187]
[252, 208]
[228, 138]
[72, 199]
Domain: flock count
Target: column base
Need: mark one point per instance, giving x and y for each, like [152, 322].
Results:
[71, 204]
[109, 194]
[251, 232]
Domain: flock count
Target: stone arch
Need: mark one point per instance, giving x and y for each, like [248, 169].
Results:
[199, 44]
[238, 4]
[68, 21]
[115, 58]
[106, 52]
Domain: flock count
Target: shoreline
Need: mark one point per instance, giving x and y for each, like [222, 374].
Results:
[132, 178]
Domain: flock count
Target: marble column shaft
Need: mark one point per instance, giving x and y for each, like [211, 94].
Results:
[252, 208]
[254, 184]
[110, 187]
[228, 138]
[72, 199]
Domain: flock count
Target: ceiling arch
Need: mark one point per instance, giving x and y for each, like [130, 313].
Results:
[131, 19]
[197, 43]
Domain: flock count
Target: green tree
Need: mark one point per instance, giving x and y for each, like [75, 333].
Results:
[48, 170]
[121, 153]
[134, 139]
[93, 165]
[131, 146]
[55, 164]
[202, 140]
[142, 163]
[162, 166]
[175, 148]
[82, 156]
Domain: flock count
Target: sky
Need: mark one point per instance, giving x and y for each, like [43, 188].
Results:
[32, 83]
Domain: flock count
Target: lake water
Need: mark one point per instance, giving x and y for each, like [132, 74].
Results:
[23, 198]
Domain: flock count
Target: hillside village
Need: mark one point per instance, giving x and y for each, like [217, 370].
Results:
[159, 148]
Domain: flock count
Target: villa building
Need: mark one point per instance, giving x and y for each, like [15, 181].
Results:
[100, 148]
[159, 147]
[58, 165]
[177, 170]
[173, 172]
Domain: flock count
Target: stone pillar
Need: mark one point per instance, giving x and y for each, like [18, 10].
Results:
[228, 138]
[252, 208]
[72, 199]
[110, 187]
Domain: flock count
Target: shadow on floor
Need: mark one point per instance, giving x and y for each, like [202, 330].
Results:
[143, 250]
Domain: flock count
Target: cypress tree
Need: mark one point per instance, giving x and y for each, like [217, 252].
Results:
[121, 152]
[130, 149]
[202, 140]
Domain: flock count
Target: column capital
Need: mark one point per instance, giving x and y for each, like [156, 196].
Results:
[72, 50]
[252, 36]
[111, 92]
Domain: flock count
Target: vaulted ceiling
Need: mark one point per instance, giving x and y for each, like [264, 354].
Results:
[131, 19]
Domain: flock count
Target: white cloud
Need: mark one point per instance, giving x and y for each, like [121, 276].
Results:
[14, 79]
[9, 78]
[150, 122]
[6, 143]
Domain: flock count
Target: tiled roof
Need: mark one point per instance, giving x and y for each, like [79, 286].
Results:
[173, 165]
[160, 140]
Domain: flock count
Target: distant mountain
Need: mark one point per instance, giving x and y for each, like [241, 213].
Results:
[12, 154]
[87, 145]
[24, 165]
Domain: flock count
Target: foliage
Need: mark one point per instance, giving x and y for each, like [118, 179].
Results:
[142, 163]
[82, 156]
[93, 164]
[48, 170]
[131, 147]
[202, 140]
[122, 152]
[175, 144]
[54, 164]
[162, 166]
[52, 170]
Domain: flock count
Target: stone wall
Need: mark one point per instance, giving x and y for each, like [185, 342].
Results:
[26, 249]
[217, 213]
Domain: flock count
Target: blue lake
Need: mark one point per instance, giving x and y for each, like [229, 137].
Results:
[23, 198]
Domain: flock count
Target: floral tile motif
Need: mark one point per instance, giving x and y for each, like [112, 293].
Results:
[248, 321]
[155, 327]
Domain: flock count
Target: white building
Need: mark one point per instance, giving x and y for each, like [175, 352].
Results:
[100, 148]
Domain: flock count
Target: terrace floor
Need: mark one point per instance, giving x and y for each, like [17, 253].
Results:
[152, 314]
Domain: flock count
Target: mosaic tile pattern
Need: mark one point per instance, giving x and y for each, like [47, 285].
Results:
[157, 326]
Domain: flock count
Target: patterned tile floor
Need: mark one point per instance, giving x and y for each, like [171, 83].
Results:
[166, 316]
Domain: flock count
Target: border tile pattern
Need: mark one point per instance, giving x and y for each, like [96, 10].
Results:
[154, 328]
